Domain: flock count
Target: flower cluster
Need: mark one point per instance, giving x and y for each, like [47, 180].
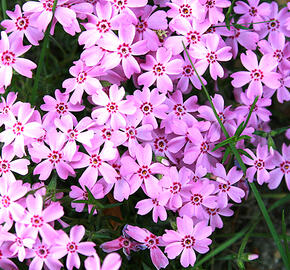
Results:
[154, 138]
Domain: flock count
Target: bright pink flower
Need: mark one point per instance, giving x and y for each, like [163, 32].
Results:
[8, 107]
[75, 134]
[53, 156]
[37, 219]
[18, 131]
[122, 50]
[187, 239]
[257, 74]
[260, 164]
[152, 242]
[214, 9]
[84, 80]
[71, 246]
[58, 107]
[10, 193]
[149, 105]
[252, 12]
[10, 49]
[224, 182]
[200, 197]
[20, 25]
[210, 55]
[214, 214]
[143, 172]
[112, 261]
[158, 70]
[283, 163]
[112, 107]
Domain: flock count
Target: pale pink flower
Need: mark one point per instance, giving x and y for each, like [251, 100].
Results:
[187, 239]
[210, 55]
[112, 261]
[215, 10]
[123, 49]
[71, 246]
[8, 107]
[10, 49]
[20, 25]
[215, 221]
[158, 70]
[256, 74]
[112, 108]
[152, 242]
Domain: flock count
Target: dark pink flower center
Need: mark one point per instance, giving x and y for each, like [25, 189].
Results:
[160, 144]
[146, 108]
[19, 241]
[210, 3]
[103, 26]
[158, 69]
[95, 161]
[141, 26]
[253, 11]
[71, 247]
[187, 71]
[151, 241]
[257, 75]
[42, 252]
[187, 241]
[212, 211]
[204, 147]
[131, 132]
[285, 167]
[107, 133]
[61, 108]
[144, 172]
[274, 25]
[196, 199]
[22, 23]
[5, 201]
[175, 188]
[54, 157]
[185, 11]
[211, 57]
[221, 116]
[4, 166]
[279, 55]
[120, 4]
[125, 243]
[112, 107]
[18, 128]
[72, 134]
[225, 187]
[124, 50]
[193, 37]
[259, 164]
[8, 58]
[36, 221]
[82, 77]
[48, 5]
[179, 110]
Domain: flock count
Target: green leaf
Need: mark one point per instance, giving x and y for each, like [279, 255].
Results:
[277, 131]
[226, 154]
[111, 205]
[239, 129]
[239, 26]
[271, 143]
[228, 15]
[284, 235]
[91, 198]
[261, 133]
[243, 137]
[245, 153]
[223, 143]
[81, 201]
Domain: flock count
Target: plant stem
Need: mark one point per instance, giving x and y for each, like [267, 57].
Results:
[33, 94]
[244, 168]
[243, 24]
[4, 8]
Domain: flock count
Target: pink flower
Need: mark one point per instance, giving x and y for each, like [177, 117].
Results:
[210, 55]
[187, 239]
[152, 242]
[112, 107]
[20, 25]
[71, 246]
[214, 214]
[283, 163]
[8, 107]
[122, 50]
[260, 163]
[84, 80]
[112, 261]
[214, 9]
[18, 131]
[257, 74]
[159, 69]
[225, 185]
[10, 49]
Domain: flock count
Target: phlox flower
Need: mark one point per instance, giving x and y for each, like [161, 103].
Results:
[42, 13]
[156, 203]
[149, 106]
[84, 80]
[71, 246]
[53, 156]
[75, 134]
[10, 49]
[143, 172]
[210, 55]
[18, 131]
[283, 163]
[214, 10]
[58, 107]
[112, 261]
[260, 163]
[10, 193]
[20, 25]
[225, 182]
[8, 107]
[149, 21]
[253, 12]
[256, 74]
[123, 49]
[200, 197]
[152, 242]
[112, 108]
[158, 70]
[187, 239]
[8, 165]
[43, 255]
[37, 219]
[214, 214]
